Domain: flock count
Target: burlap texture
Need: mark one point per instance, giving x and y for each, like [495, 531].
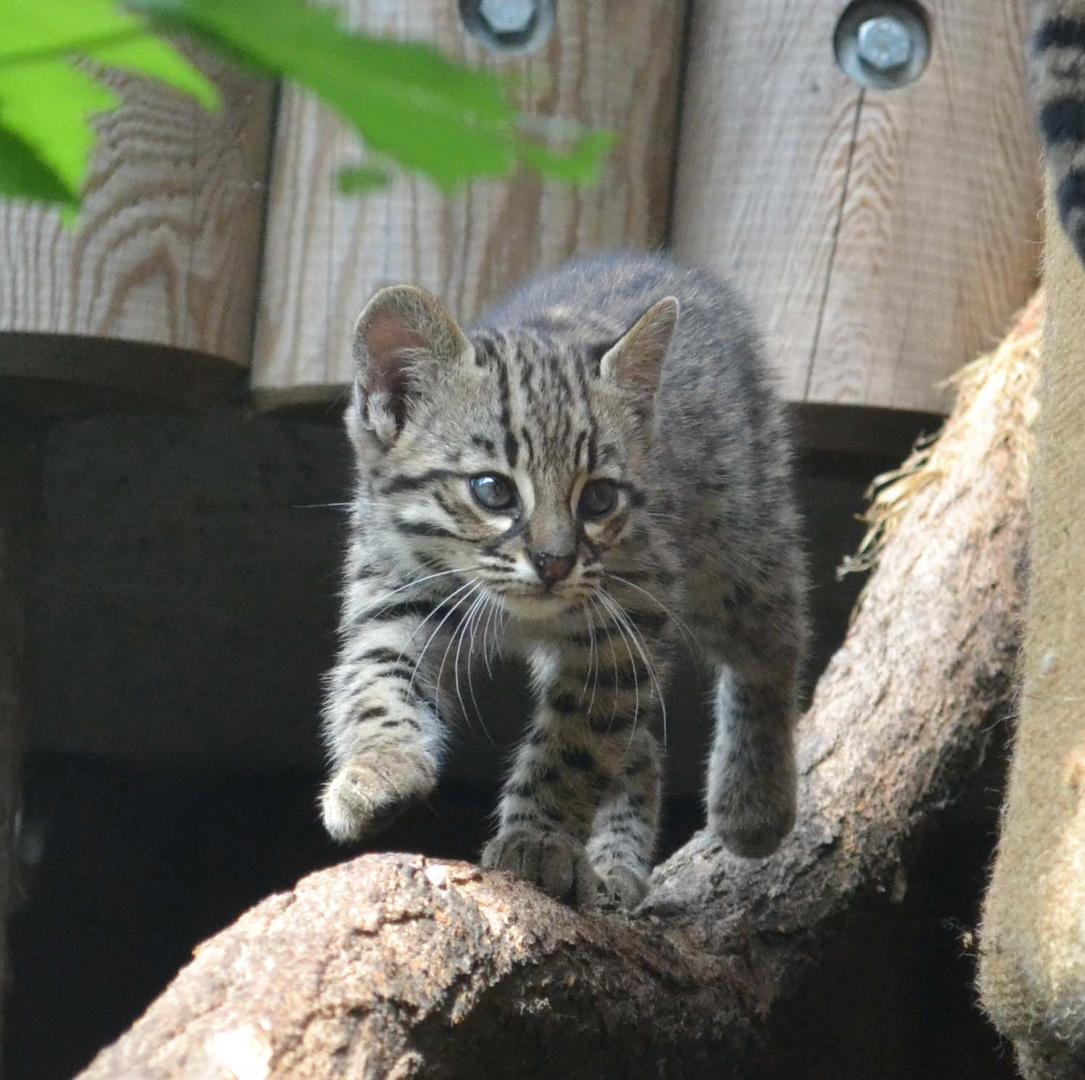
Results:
[1032, 944]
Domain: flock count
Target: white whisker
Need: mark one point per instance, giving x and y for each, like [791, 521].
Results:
[686, 632]
[473, 616]
[375, 607]
[611, 607]
[642, 649]
[470, 586]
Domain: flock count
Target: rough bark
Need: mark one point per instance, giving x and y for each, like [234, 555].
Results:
[397, 965]
[19, 489]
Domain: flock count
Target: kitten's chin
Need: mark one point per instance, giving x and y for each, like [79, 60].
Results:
[537, 607]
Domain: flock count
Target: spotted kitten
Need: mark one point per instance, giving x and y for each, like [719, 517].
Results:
[597, 472]
[1058, 86]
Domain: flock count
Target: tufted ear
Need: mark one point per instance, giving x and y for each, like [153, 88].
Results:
[635, 361]
[401, 334]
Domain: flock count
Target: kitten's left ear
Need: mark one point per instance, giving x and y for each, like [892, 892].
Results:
[635, 361]
[402, 333]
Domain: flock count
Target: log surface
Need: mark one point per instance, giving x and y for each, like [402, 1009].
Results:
[396, 965]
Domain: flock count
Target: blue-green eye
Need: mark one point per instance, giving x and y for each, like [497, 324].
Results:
[598, 498]
[493, 491]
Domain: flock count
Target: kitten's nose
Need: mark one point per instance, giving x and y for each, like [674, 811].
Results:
[552, 568]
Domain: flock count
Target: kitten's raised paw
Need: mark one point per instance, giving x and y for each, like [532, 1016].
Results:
[370, 792]
[554, 862]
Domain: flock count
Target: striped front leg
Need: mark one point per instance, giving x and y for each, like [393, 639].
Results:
[381, 723]
[588, 759]
[623, 836]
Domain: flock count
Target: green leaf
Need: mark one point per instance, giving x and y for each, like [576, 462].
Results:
[46, 103]
[410, 105]
[23, 175]
[361, 178]
[48, 106]
[158, 59]
[39, 30]
[406, 101]
[582, 164]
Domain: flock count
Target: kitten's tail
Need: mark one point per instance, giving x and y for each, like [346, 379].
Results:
[1058, 89]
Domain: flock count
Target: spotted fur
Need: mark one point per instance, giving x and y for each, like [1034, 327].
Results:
[628, 368]
[1058, 88]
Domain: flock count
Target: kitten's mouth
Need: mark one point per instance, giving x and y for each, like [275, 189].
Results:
[535, 605]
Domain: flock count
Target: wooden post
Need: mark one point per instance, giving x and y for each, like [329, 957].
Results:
[18, 525]
[607, 64]
[165, 259]
[884, 236]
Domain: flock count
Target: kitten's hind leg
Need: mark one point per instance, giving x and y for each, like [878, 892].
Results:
[751, 770]
[623, 836]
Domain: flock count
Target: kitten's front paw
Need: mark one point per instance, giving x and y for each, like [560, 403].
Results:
[620, 888]
[554, 862]
[371, 791]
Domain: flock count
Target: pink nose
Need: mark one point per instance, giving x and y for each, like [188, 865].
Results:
[552, 568]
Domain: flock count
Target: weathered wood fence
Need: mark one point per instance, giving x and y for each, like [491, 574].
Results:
[884, 235]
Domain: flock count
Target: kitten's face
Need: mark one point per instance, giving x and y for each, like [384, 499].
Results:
[516, 462]
[525, 489]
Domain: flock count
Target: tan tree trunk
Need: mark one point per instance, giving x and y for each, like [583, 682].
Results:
[398, 965]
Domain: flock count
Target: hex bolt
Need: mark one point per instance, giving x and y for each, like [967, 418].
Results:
[508, 16]
[884, 43]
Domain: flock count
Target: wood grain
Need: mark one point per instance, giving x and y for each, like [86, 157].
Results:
[884, 237]
[608, 64]
[167, 252]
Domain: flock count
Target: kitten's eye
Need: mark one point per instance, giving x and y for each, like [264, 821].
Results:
[493, 491]
[598, 498]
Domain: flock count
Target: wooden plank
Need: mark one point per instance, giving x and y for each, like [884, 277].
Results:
[940, 231]
[168, 249]
[884, 236]
[767, 123]
[608, 64]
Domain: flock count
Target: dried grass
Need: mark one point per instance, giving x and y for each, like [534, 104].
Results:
[1002, 382]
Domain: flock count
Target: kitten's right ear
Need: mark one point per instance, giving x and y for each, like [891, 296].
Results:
[635, 361]
[402, 333]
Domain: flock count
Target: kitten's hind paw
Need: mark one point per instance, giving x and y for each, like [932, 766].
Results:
[370, 792]
[556, 863]
[756, 826]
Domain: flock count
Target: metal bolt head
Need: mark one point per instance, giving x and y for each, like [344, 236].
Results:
[508, 16]
[884, 43]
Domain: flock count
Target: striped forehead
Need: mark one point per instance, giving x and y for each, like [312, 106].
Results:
[544, 401]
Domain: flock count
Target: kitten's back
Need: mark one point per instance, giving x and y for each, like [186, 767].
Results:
[591, 302]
